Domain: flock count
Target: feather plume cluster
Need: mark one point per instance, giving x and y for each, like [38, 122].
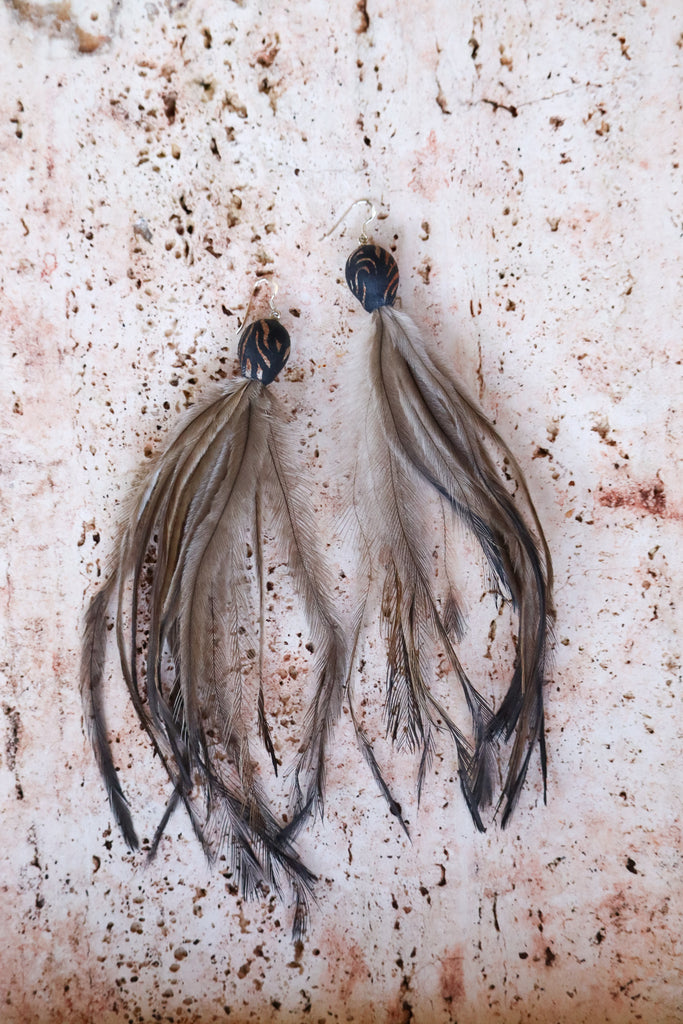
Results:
[186, 595]
[421, 433]
[184, 591]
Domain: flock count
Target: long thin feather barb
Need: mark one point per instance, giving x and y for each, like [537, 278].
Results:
[419, 428]
[182, 593]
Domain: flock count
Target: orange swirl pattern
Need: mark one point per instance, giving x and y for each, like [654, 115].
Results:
[372, 276]
[263, 350]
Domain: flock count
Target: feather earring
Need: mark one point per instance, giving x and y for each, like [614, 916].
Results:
[181, 591]
[422, 432]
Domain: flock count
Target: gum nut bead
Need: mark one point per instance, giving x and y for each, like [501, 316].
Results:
[263, 350]
[372, 276]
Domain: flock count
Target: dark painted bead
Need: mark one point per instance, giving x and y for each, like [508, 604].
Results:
[372, 276]
[263, 350]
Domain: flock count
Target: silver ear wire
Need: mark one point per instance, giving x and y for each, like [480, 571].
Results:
[274, 289]
[363, 237]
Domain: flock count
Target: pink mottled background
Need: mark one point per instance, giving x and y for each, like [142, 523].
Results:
[528, 156]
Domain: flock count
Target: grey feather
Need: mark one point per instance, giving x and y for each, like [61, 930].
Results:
[92, 681]
[291, 507]
[183, 593]
[420, 427]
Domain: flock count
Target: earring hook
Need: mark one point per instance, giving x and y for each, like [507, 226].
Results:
[274, 289]
[362, 238]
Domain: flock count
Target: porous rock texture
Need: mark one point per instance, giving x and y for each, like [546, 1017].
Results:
[526, 157]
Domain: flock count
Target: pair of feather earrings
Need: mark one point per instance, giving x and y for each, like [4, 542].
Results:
[182, 596]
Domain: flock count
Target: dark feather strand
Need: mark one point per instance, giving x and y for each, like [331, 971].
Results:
[431, 427]
[188, 534]
[297, 526]
[92, 679]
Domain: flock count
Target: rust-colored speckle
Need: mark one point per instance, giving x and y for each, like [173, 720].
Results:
[88, 42]
[13, 735]
[452, 978]
[401, 1009]
[49, 265]
[364, 22]
[428, 179]
[347, 966]
[650, 499]
[269, 51]
[56, 14]
[615, 909]
[170, 99]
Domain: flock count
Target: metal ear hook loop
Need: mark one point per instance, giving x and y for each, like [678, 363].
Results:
[274, 289]
[363, 237]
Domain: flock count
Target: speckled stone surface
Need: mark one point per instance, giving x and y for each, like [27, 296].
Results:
[154, 158]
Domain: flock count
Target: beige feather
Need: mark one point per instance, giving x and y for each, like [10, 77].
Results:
[420, 429]
[196, 621]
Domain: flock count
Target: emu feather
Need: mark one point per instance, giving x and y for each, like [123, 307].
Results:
[181, 590]
[420, 428]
